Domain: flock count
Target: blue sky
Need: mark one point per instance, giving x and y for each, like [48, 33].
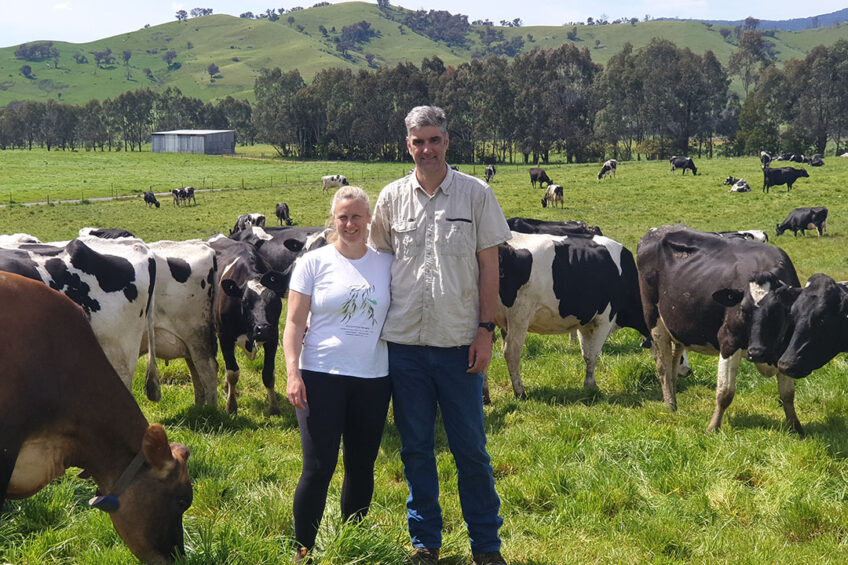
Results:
[79, 21]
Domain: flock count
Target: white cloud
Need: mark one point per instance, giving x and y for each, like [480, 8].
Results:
[63, 7]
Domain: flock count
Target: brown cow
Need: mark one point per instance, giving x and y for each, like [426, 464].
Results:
[64, 405]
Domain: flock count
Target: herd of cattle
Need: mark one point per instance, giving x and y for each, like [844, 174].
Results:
[729, 294]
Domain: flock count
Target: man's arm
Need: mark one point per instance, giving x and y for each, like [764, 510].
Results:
[380, 234]
[480, 351]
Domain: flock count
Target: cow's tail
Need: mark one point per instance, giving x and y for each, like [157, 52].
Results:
[151, 381]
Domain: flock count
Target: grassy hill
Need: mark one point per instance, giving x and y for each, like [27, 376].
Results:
[241, 47]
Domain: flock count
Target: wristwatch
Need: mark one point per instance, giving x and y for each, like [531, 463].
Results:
[487, 325]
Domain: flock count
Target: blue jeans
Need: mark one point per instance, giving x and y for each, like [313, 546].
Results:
[423, 378]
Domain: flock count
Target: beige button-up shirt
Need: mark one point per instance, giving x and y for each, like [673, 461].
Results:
[435, 240]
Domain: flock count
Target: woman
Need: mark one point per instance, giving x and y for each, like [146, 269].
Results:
[338, 374]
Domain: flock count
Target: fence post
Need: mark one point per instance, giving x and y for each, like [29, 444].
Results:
[242, 183]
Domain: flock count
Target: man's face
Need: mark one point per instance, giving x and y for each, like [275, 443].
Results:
[428, 146]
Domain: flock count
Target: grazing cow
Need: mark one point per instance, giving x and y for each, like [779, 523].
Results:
[608, 169]
[247, 311]
[333, 181]
[64, 405]
[754, 235]
[797, 158]
[184, 312]
[765, 158]
[699, 291]
[246, 221]
[782, 175]
[188, 194]
[490, 172]
[816, 160]
[279, 247]
[282, 212]
[557, 284]
[741, 185]
[568, 227]
[114, 282]
[683, 163]
[150, 199]
[553, 194]
[105, 233]
[16, 239]
[179, 195]
[802, 219]
[539, 175]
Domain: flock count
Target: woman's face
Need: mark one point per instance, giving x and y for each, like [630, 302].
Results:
[351, 219]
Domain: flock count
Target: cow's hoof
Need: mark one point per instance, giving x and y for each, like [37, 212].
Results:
[521, 395]
[274, 411]
[153, 392]
[232, 408]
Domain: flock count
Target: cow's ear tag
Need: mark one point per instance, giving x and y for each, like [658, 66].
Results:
[107, 503]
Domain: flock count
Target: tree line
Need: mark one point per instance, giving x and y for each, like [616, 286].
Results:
[651, 102]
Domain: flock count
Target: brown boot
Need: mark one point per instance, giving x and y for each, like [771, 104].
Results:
[425, 556]
[491, 558]
[301, 556]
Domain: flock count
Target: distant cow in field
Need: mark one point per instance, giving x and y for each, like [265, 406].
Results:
[333, 181]
[105, 233]
[282, 212]
[178, 195]
[246, 221]
[539, 175]
[188, 194]
[490, 172]
[608, 169]
[802, 219]
[730, 181]
[782, 175]
[765, 158]
[755, 235]
[683, 163]
[150, 199]
[568, 227]
[554, 195]
[798, 158]
[816, 160]
[740, 185]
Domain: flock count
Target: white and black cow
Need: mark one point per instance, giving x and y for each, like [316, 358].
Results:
[816, 160]
[279, 247]
[557, 284]
[738, 185]
[683, 163]
[568, 227]
[247, 311]
[608, 169]
[699, 291]
[179, 195]
[105, 233]
[246, 221]
[188, 194]
[553, 195]
[490, 172]
[803, 219]
[765, 158]
[15, 239]
[754, 235]
[282, 213]
[114, 282]
[150, 199]
[333, 181]
[783, 175]
[538, 174]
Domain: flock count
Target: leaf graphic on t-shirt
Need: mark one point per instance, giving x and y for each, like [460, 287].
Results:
[359, 300]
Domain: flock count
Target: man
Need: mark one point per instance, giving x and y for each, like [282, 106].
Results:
[444, 228]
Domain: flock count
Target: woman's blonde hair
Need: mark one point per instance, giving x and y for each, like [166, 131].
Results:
[348, 192]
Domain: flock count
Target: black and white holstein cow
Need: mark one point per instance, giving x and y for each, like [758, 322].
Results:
[608, 169]
[63, 405]
[333, 181]
[247, 311]
[113, 280]
[557, 284]
[150, 199]
[816, 160]
[568, 227]
[765, 158]
[683, 163]
[279, 247]
[490, 172]
[783, 175]
[246, 221]
[803, 219]
[282, 213]
[105, 233]
[700, 291]
[737, 185]
[537, 174]
[553, 195]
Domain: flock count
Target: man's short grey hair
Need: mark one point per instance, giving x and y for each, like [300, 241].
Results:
[424, 116]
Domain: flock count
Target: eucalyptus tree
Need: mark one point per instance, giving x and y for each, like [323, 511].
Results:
[238, 117]
[272, 114]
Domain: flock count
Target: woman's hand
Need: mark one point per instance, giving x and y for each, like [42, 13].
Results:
[296, 389]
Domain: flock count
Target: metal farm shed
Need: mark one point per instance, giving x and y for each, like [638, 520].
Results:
[208, 141]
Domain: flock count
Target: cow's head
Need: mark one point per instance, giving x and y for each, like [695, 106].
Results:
[148, 512]
[261, 304]
[765, 305]
[780, 229]
[803, 173]
[691, 165]
[819, 314]
[545, 202]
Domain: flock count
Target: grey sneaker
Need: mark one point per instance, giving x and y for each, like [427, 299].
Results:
[425, 556]
[491, 558]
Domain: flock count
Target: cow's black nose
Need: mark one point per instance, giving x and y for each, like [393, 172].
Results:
[756, 354]
[262, 332]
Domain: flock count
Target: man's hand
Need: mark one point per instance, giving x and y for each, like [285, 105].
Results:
[480, 352]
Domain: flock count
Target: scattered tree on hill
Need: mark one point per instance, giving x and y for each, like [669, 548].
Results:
[102, 58]
[26, 70]
[212, 69]
[80, 59]
[382, 4]
[37, 51]
[750, 59]
[572, 34]
[181, 15]
[246, 15]
[169, 59]
[751, 23]
[127, 55]
[197, 12]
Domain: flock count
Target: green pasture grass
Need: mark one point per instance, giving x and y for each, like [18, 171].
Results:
[608, 476]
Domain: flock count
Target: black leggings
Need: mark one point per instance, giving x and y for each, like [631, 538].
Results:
[338, 406]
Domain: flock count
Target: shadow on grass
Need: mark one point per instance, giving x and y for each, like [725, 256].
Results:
[834, 431]
[206, 419]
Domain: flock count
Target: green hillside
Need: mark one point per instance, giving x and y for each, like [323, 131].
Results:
[241, 47]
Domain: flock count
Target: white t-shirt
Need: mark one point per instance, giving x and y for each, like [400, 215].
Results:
[350, 299]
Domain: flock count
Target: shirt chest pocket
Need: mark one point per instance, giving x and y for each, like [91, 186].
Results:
[455, 236]
[406, 239]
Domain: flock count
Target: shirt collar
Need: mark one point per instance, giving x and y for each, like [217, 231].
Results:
[446, 186]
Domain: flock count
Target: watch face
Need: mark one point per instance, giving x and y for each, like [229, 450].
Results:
[488, 325]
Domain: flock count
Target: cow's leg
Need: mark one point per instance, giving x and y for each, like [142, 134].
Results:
[486, 398]
[228, 352]
[513, 345]
[728, 367]
[270, 348]
[592, 338]
[684, 370]
[204, 377]
[786, 388]
[667, 355]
